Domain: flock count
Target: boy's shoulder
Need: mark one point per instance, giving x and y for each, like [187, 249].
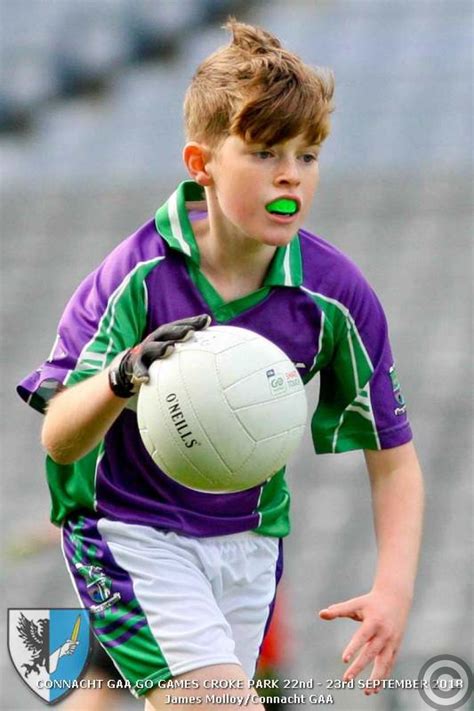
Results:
[130, 261]
[143, 245]
[133, 257]
[328, 271]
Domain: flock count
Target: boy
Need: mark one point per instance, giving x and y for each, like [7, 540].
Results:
[181, 584]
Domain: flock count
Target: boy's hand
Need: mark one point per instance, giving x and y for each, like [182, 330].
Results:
[126, 376]
[383, 616]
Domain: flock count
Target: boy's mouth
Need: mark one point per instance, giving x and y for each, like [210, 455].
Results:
[285, 207]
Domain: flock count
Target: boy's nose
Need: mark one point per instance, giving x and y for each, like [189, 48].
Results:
[288, 174]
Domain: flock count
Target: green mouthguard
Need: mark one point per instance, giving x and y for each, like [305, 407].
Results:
[283, 205]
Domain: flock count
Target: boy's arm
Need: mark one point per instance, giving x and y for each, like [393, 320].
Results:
[397, 499]
[78, 418]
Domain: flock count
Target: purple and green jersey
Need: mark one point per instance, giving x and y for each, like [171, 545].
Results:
[314, 304]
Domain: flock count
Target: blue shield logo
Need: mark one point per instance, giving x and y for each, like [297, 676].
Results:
[49, 649]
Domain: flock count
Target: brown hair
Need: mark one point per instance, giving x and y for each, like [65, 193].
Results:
[255, 89]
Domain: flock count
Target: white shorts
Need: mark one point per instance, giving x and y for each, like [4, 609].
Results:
[176, 603]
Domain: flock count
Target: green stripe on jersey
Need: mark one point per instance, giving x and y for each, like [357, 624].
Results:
[286, 267]
[222, 310]
[172, 220]
[344, 419]
[273, 507]
[126, 306]
[72, 486]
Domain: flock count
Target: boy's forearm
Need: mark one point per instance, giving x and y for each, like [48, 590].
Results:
[78, 418]
[397, 498]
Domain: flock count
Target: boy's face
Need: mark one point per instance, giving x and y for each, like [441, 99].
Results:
[247, 178]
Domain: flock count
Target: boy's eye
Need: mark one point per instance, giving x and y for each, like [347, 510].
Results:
[309, 157]
[263, 154]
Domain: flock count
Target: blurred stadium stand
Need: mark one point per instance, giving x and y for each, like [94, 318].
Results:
[90, 120]
[54, 49]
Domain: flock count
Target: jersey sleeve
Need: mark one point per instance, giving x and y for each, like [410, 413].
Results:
[360, 403]
[106, 315]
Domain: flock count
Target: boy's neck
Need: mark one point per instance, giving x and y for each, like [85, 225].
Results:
[234, 264]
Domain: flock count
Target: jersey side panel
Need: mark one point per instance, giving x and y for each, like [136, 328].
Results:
[274, 507]
[357, 408]
[88, 339]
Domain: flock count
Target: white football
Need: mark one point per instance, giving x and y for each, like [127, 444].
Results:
[223, 412]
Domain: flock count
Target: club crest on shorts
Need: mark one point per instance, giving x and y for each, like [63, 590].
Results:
[99, 587]
[49, 649]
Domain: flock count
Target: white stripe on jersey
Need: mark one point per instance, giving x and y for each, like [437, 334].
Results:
[175, 223]
[361, 397]
[286, 267]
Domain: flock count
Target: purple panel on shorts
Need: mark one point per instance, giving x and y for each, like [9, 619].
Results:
[271, 609]
[121, 639]
[84, 545]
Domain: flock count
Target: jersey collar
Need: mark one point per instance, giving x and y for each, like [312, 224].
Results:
[173, 224]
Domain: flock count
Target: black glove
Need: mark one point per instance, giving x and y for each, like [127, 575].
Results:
[126, 377]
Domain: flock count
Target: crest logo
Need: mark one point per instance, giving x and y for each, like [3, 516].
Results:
[397, 393]
[99, 587]
[49, 649]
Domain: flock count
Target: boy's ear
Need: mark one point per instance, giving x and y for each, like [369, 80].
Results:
[196, 158]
